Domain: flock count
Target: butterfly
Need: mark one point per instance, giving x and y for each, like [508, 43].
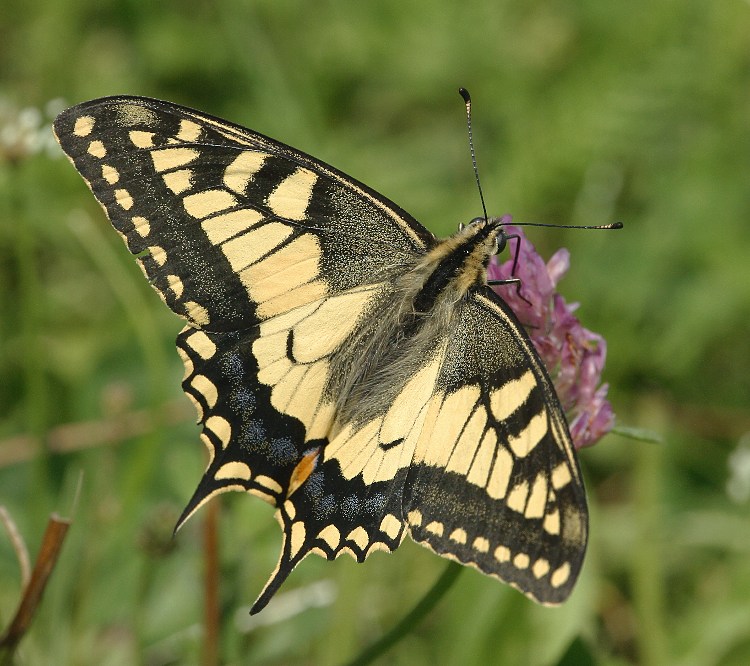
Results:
[346, 365]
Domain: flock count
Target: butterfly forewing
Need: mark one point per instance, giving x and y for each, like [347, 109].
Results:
[293, 278]
[231, 227]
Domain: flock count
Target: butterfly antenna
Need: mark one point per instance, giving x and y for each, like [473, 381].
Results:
[467, 99]
[612, 225]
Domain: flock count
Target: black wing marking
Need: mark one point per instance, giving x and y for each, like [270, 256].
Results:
[252, 447]
[331, 515]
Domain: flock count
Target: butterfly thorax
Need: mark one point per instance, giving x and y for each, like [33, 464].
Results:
[401, 335]
[457, 264]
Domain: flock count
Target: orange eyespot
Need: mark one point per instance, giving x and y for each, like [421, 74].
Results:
[303, 469]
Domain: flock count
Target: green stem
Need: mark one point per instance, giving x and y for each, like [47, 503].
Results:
[648, 555]
[413, 618]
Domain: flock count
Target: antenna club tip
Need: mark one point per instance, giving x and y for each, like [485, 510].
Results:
[465, 94]
[617, 225]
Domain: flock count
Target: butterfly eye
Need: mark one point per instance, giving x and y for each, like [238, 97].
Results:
[476, 220]
[501, 240]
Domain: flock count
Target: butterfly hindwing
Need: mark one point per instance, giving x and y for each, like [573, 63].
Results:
[263, 394]
[331, 515]
[494, 482]
[274, 449]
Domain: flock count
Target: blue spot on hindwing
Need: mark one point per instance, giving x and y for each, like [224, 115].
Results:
[232, 366]
[323, 508]
[375, 504]
[283, 451]
[252, 434]
[313, 487]
[242, 401]
[350, 507]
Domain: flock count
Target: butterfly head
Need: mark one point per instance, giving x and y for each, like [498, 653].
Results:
[487, 232]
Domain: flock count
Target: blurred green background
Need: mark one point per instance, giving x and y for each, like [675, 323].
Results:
[585, 112]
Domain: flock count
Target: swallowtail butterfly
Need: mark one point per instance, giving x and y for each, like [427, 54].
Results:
[347, 366]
